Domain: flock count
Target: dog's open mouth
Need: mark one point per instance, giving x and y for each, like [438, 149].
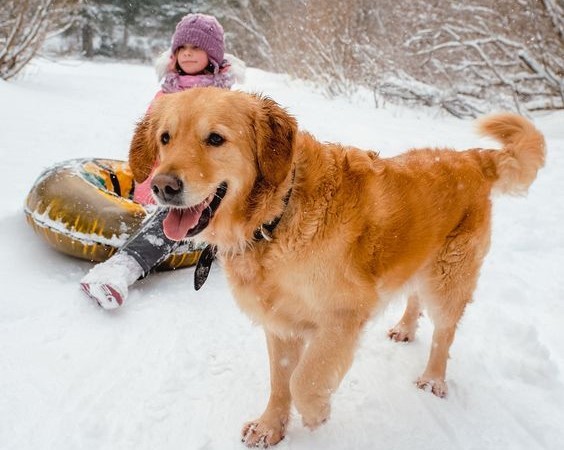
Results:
[181, 223]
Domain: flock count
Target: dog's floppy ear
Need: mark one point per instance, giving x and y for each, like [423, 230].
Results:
[276, 136]
[143, 149]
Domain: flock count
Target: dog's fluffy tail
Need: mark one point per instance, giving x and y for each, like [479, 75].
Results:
[523, 151]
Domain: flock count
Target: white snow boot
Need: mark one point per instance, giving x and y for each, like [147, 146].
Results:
[108, 281]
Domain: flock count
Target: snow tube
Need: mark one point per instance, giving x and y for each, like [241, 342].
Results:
[84, 208]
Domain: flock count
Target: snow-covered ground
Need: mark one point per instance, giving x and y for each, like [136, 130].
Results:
[178, 369]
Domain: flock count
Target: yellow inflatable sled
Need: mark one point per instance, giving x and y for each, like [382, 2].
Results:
[84, 208]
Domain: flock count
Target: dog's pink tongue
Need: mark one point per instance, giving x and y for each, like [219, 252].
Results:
[178, 222]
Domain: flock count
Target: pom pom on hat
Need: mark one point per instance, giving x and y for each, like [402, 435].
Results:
[202, 31]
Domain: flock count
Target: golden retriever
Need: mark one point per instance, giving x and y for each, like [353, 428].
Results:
[314, 237]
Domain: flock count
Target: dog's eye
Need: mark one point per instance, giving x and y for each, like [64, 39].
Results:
[165, 138]
[215, 140]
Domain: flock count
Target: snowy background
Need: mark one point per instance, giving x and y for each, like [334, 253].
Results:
[178, 369]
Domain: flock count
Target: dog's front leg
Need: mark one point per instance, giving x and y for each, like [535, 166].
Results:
[270, 428]
[325, 362]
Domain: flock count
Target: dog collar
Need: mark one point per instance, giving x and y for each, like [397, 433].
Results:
[266, 229]
[207, 256]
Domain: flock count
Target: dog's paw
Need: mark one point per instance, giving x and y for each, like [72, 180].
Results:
[437, 386]
[262, 433]
[401, 333]
[313, 421]
[315, 408]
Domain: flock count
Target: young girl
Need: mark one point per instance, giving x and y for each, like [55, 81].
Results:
[196, 59]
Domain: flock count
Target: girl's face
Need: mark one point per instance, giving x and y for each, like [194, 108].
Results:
[192, 59]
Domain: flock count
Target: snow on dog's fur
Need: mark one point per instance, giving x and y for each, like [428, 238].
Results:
[351, 226]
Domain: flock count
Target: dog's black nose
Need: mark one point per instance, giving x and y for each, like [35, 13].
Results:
[167, 188]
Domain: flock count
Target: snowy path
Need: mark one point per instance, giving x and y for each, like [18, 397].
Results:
[176, 369]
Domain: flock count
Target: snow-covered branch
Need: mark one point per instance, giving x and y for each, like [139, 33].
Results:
[556, 14]
[478, 50]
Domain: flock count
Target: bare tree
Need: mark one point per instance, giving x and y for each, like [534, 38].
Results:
[246, 23]
[465, 57]
[309, 39]
[24, 25]
[472, 55]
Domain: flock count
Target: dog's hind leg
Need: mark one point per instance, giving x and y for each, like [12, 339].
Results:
[270, 428]
[451, 284]
[404, 330]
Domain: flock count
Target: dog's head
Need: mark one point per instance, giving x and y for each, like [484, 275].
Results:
[222, 162]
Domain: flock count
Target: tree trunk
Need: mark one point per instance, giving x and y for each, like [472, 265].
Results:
[87, 41]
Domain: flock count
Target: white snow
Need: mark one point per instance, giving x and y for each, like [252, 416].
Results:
[179, 369]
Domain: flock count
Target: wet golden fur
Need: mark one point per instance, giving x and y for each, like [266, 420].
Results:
[356, 229]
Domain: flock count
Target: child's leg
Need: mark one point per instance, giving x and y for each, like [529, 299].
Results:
[108, 282]
[150, 246]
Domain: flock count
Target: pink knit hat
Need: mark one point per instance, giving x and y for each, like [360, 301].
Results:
[202, 31]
